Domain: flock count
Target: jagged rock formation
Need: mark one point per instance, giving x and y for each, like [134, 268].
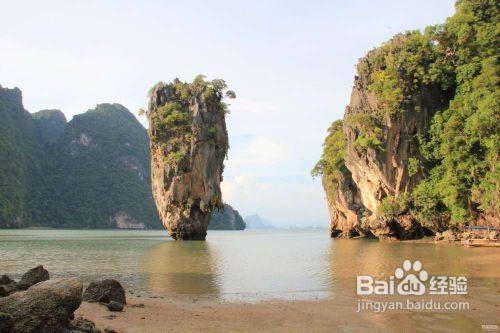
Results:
[188, 145]
[90, 172]
[377, 173]
[227, 219]
[378, 169]
[417, 150]
[344, 205]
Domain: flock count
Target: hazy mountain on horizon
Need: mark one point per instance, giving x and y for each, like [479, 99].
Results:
[256, 222]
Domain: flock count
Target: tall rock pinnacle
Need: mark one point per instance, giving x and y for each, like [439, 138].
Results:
[189, 143]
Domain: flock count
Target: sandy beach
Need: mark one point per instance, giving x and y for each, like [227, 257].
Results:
[184, 314]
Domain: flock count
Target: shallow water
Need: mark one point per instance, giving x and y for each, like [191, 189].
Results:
[235, 265]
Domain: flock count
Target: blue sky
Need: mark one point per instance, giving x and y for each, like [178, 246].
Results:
[291, 64]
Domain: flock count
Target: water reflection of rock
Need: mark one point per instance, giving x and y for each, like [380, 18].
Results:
[181, 268]
[349, 258]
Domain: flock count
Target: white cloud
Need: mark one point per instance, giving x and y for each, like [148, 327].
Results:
[285, 202]
[259, 152]
[249, 106]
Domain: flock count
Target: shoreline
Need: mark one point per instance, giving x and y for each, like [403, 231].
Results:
[183, 295]
[338, 314]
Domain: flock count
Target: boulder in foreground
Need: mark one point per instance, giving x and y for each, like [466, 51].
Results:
[45, 307]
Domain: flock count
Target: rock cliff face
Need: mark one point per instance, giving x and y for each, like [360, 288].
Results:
[418, 148]
[188, 145]
[376, 160]
[344, 206]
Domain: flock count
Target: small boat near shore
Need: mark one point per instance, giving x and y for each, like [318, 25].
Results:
[484, 240]
[478, 242]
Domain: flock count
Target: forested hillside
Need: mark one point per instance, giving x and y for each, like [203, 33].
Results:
[227, 219]
[91, 172]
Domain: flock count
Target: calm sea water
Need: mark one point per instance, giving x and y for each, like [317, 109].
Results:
[234, 265]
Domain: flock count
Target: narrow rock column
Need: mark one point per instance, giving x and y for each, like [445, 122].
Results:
[189, 143]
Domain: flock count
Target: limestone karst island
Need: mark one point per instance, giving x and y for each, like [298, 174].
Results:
[250, 166]
[189, 143]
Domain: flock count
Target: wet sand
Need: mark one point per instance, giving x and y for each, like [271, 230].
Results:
[183, 314]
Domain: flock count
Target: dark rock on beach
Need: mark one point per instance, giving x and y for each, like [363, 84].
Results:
[33, 276]
[138, 305]
[5, 279]
[105, 291]
[7, 285]
[6, 322]
[82, 325]
[114, 306]
[45, 307]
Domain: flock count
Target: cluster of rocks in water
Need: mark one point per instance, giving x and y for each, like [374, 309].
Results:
[38, 304]
[454, 235]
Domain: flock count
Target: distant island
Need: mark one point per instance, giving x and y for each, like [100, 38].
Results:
[255, 222]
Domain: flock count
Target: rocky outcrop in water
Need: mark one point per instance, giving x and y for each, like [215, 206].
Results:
[378, 149]
[417, 150]
[189, 143]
